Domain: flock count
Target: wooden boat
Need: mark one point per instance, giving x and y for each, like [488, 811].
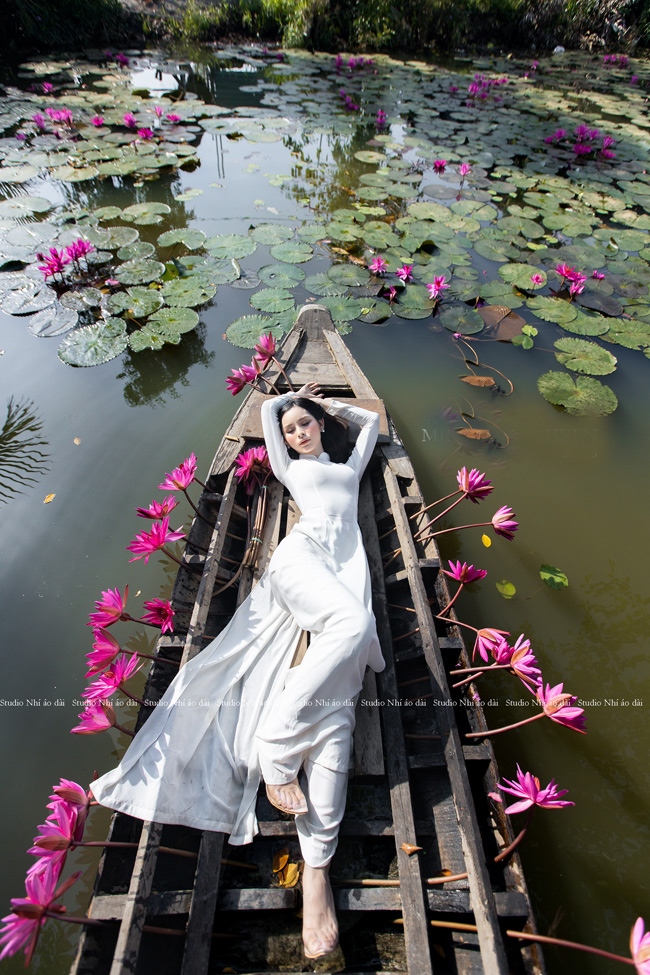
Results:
[210, 908]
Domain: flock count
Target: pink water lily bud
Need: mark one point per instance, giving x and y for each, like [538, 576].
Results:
[76, 797]
[97, 716]
[639, 947]
[158, 509]
[529, 790]
[524, 663]
[464, 573]
[105, 650]
[181, 477]
[486, 641]
[146, 543]
[110, 608]
[160, 613]
[474, 484]
[503, 522]
[265, 348]
[560, 707]
[240, 377]
[464, 169]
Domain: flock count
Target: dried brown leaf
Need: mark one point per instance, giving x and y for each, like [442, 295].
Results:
[281, 859]
[50, 497]
[478, 380]
[474, 434]
[410, 848]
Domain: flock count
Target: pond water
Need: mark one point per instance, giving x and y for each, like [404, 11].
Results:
[281, 194]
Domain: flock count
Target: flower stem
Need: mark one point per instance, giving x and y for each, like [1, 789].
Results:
[78, 920]
[508, 727]
[185, 565]
[481, 524]
[192, 505]
[126, 731]
[438, 517]
[421, 511]
[451, 602]
[289, 383]
[517, 840]
[132, 696]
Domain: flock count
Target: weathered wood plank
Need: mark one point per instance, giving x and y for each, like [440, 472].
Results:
[492, 948]
[198, 940]
[127, 948]
[414, 907]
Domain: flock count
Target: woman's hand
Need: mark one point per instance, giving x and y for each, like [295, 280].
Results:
[310, 391]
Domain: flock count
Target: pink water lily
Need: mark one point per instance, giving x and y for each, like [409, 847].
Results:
[23, 925]
[405, 273]
[174, 118]
[54, 839]
[537, 278]
[474, 485]
[145, 134]
[74, 795]
[111, 680]
[97, 716]
[464, 169]
[160, 613]
[240, 377]
[439, 165]
[487, 639]
[181, 477]
[464, 573]
[105, 650]
[78, 249]
[504, 523]
[265, 349]
[130, 120]
[158, 110]
[122, 59]
[438, 286]
[524, 663]
[639, 947]
[379, 265]
[97, 121]
[54, 263]
[39, 120]
[158, 509]
[598, 275]
[560, 707]
[146, 543]
[110, 608]
[530, 793]
[252, 466]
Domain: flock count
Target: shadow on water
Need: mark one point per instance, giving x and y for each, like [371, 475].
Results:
[22, 460]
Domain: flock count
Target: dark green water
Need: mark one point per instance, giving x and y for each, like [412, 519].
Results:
[578, 485]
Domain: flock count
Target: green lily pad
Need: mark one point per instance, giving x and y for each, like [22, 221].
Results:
[585, 357]
[190, 236]
[21, 205]
[507, 589]
[245, 331]
[460, 318]
[140, 271]
[281, 275]
[230, 246]
[369, 156]
[132, 252]
[348, 275]
[292, 252]
[411, 312]
[93, 345]
[142, 301]
[520, 276]
[583, 396]
[553, 577]
[343, 309]
[145, 213]
[148, 338]
[584, 324]
[187, 292]
[272, 300]
[52, 321]
[271, 233]
[552, 309]
[603, 303]
[189, 194]
[321, 284]
[169, 320]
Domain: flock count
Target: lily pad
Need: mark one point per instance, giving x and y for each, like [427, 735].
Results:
[553, 309]
[272, 300]
[178, 320]
[292, 252]
[343, 309]
[190, 236]
[92, 345]
[553, 577]
[245, 331]
[145, 213]
[142, 301]
[189, 194]
[460, 318]
[54, 320]
[230, 246]
[520, 275]
[583, 396]
[131, 252]
[322, 284]
[411, 312]
[585, 357]
[271, 233]
[187, 292]
[149, 338]
[139, 271]
[281, 275]
[348, 275]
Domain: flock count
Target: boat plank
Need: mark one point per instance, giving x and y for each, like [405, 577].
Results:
[125, 957]
[205, 893]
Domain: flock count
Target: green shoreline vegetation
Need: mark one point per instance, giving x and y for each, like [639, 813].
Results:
[413, 26]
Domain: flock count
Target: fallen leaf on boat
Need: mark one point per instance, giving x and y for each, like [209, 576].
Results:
[50, 497]
[473, 433]
[410, 848]
[291, 875]
[281, 859]
[478, 380]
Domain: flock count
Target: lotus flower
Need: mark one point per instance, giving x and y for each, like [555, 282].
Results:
[97, 121]
[439, 165]
[130, 120]
[437, 287]
[464, 169]
[474, 484]
[146, 543]
[97, 716]
[265, 349]
[145, 134]
[240, 377]
[74, 795]
[24, 924]
[503, 522]
[559, 707]
[639, 947]
[524, 663]
[111, 680]
[56, 835]
[157, 509]
[110, 608]
[464, 573]
[181, 477]
[405, 273]
[160, 613]
[528, 789]
[105, 650]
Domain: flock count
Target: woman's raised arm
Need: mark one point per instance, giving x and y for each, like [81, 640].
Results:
[365, 442]
[275, 445]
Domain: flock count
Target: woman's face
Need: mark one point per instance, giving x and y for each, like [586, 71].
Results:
[302, 431]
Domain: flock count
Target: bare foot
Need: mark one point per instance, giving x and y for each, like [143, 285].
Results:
[320, 930]
[288, 798]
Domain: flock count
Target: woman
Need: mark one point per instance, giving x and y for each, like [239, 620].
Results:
[238, 711]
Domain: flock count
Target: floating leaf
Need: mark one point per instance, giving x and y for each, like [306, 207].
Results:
[190, 236]
[187, 292]
[92, 345]
[322, 284]
[292, 252]
[145, 213]
[343, 309]
[272, 300]
[553, 577]
[460, 318]
[411, 312]
[473, 433]
[507, 589]
[487, 541]
[349, 275]
[149, 338]
[485, 381]
[174, 320]
[585, 357]
[142, 301]
[552, 309]
[271, 233]
[282, 275]
[48, 498]
[583, 396]
[139, 271]
[520, 276]
[189, 194]
[369, 156]
[245, 331]
[230, 246]
[54, 320]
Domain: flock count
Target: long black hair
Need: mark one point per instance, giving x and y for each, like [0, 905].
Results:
[334, 437]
